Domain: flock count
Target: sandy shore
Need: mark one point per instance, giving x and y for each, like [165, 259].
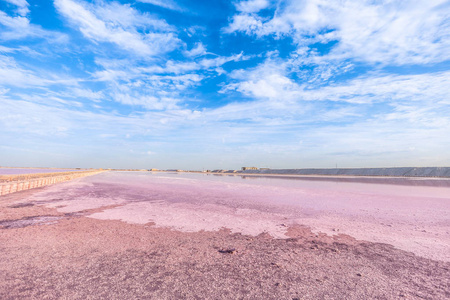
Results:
[47, 254]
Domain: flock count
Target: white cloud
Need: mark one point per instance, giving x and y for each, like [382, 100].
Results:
[110, 24]
[18, 22]
[198, 50]
[111, 75]
[148, 101]
[86, 93]
[157, 87]
[271, 81]
[155, 92]
[19, 27]
[398, 32]
[249, 24]
[289, 104]
[129, 18]
[414, 115]
[13, 75]
[189, 66]
[30, 118]
[3, 91]
[169, 4]
[252, 6]
[22, 6]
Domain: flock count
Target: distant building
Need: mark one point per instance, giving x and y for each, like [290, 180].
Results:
[153, 170]
[249, 168]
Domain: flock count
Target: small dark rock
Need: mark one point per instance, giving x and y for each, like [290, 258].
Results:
[227, 251]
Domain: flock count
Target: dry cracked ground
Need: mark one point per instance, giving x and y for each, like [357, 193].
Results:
[45, 254]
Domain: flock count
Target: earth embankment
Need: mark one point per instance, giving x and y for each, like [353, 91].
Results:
[16, 183]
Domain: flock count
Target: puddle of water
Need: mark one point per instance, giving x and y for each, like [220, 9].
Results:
[29, 221]
[19, 205]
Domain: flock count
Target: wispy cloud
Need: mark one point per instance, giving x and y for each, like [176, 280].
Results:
[22, 6]
[12, 74]
[198, 50]
[19, 27]
[405, 32]
[119, 24]
[271, 81]
[169, 4]
[158, 86]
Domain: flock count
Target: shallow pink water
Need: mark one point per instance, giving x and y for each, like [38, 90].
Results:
[412, 215]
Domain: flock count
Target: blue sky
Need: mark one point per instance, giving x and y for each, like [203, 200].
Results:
[224, 84]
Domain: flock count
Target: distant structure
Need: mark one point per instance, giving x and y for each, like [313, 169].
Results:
[153, 170]
[249, 168]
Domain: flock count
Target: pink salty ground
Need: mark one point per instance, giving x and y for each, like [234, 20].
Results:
[55, 245]
[411, 215]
